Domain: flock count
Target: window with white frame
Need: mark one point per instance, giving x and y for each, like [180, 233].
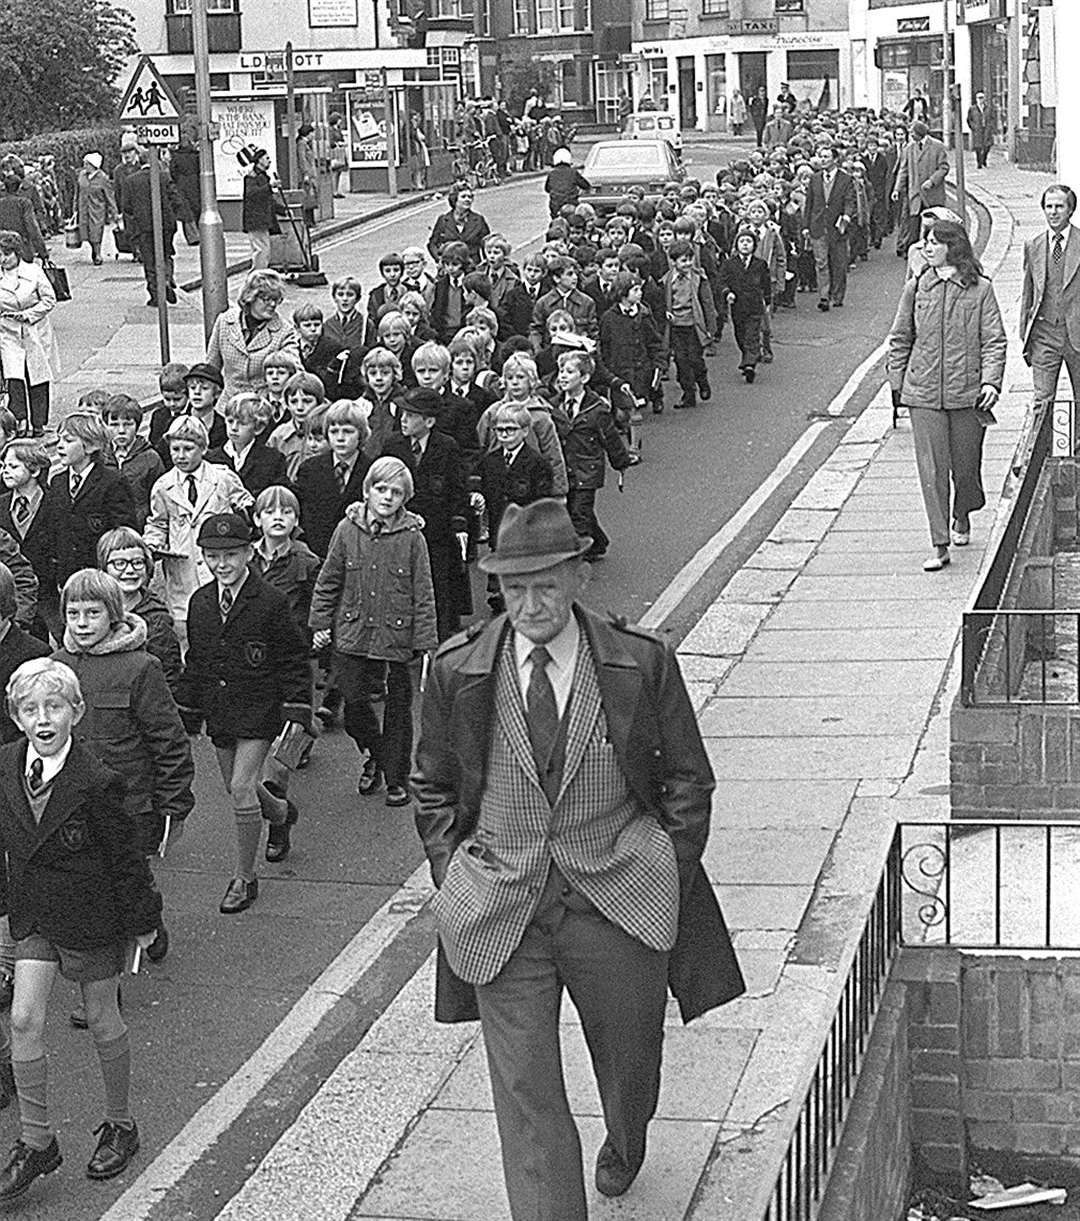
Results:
[565, 14]
[521, 16]
[716, 8]
[656, 10]
[212, 6]
[545, 15]
[610, 85]
[658, 81]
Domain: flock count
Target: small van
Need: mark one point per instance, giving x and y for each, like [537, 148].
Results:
[654, 125]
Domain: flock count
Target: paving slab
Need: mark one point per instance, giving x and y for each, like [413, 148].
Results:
[802, 525]
[725, 629]
[915, 585]
[786, 855]
[829, 677]
[699, 668]
[778, 553]
[935, 640]
[684, 1092]
[779, 803]
[824, 758]
[762, 906]
[726, 716]
[828, 489]
[856, 518]
[758, 585]
[886, 614]
[859, 563]
[870, 541]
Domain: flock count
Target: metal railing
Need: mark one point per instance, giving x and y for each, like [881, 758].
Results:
[1032, 661]
[978, 623]
[978, 885]
[818, 1127]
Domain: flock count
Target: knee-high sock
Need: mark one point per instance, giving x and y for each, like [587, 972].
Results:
[248, 834]
[115, 1057]
[31, 1085]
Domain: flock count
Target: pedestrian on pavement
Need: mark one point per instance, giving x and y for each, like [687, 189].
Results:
[95, 206]
[1050, 304]
[144, 740]
[339, 152]
[916, 258]
[308, 171]
[830, 207]
[17, 210]
[920, 181]
[377, 623]
[736, 113]
[73, 907]
[137, 208]
[982, 121]
[246, 675]
[563, 799]
[758, 109]
[779, 129]
[261, 208]
[419, 157]
[246, 333]
[946, 365]
[29, 353]
[459, 224]
[564, 182]
[185, 173]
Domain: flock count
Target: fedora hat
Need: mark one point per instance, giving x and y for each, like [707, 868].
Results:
[534, 537]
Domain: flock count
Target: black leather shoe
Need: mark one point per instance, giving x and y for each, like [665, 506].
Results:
[613, 1176]
[397, 795]
[7, 1084]
[278, 842]
[370, 777]
[115, 1149]
[823, 305]
[705, 390]
[159, 947]
[24, 1165]
[239, 897]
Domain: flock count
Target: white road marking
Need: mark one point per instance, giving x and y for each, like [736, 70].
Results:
[219, 1112]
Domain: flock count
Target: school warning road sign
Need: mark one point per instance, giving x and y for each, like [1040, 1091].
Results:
[147, 98]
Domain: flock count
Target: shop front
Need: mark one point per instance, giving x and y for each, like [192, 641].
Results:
[987, 27]
[908, 51]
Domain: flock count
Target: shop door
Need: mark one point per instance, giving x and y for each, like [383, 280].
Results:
[687, 94]
[751, 73]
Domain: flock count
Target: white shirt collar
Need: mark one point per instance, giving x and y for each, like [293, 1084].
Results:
[1050, 235]
[235, 589]
[560, 669]
[49, 765]
[239, 456]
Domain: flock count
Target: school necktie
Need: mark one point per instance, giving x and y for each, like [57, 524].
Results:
[1058, 252]
[36, 778]
[226, 603]
[341, 473]
[22, 509]
[541, 709]
[192, 491]
[76, 483]
[417, 449]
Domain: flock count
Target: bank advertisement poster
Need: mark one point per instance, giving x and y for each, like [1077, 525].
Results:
[240, 121]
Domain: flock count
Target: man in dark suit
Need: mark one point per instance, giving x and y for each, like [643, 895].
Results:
[439, 497]
[563, 798]
[982, 119]
[830, 206]
[135, 207]
[1050, 303]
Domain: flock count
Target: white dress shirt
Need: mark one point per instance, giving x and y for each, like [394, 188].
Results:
[50, 764]
[560, 669]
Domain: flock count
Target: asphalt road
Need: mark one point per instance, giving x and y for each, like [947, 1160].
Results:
[228, 982]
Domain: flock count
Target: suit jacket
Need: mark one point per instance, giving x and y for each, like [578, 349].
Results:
[918, 165]
[751, 285]
[1036, 255]
[263, 467]
[983, 125]
[580, 307]
[77, 877]
[349, 333]
[322, 503]
[438, 486]
[376, 300]
[820, 214]
[324, 360]
[161, 418]
[653, 734]
[103, 503]
[527, 479]
[37, 547]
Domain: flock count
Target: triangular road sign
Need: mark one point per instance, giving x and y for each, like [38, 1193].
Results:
[147, 98]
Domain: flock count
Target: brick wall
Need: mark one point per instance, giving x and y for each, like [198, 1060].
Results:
[871, 1171]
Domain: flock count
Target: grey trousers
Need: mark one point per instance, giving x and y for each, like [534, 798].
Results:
[1048, 348]
[619, 987]
[948, 446]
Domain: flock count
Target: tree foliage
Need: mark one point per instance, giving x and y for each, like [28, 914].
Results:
[58, 62]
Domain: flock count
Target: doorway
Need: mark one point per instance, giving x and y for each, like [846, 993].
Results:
[752, 73]
[687, 93]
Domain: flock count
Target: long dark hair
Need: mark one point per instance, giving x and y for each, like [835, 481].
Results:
[960, 254]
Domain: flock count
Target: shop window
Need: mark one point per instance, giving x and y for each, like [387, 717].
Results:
[815, 76]
[656, 10]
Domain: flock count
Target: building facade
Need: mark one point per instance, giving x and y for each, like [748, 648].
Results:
[691, 55]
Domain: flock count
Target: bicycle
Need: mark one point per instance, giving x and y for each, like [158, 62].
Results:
[473, 165]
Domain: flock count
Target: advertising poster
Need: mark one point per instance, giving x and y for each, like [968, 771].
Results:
[367, 128]
[894, 89]
[323, 14]
[240, 121]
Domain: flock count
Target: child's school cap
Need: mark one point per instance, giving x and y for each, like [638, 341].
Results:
[223, 532]
[205, 373]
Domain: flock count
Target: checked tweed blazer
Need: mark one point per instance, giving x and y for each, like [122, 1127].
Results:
[596, 834]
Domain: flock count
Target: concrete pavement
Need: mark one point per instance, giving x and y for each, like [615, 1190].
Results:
[822, 679]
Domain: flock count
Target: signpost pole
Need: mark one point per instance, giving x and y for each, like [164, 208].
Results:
[391, 140]
[215, 289]
[160, 277]
[290, 115]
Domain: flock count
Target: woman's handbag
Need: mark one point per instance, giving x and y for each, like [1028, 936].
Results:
[122, 241]
[191, 232]
[58, 278]
[71, 234]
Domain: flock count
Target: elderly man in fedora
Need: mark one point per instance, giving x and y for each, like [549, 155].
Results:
[563, 798]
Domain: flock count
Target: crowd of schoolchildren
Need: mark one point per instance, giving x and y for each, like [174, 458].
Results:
[253, 564]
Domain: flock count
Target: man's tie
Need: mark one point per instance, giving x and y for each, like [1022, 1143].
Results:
[76, 483]
[1058, 252]
[22, 509]
[226, 602]
[417, 449]
[508, 457]
[36, 779]
[192, 491]
[542, 712]
[341, 473]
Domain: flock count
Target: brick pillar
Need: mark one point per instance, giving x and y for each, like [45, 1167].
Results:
[932, 980]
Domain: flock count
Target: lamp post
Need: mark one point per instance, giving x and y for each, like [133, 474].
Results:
[215, 289]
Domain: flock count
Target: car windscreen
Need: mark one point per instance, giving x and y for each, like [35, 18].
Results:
[628, 159]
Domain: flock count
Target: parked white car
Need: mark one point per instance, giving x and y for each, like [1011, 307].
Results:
[654, 125]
